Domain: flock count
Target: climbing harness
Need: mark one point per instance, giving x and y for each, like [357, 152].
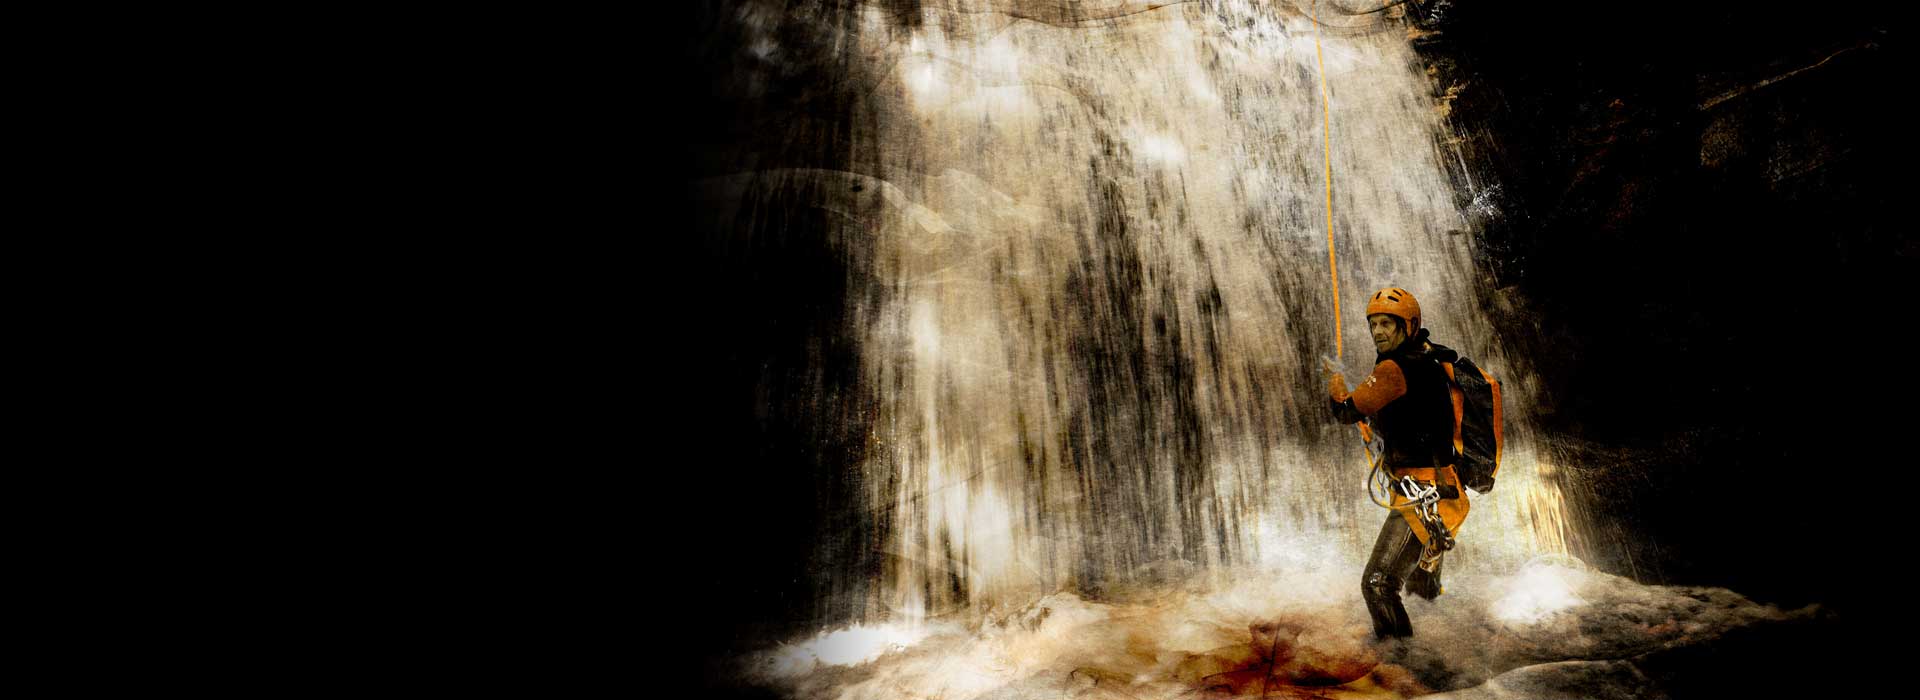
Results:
[1423, 498]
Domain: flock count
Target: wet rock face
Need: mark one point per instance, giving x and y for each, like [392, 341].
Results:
[1301, 653]
[1282, 653]
[1550, 630]
[1602, 680]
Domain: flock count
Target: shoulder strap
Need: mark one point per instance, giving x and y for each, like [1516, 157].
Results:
[1499, 440]
[1458, 399]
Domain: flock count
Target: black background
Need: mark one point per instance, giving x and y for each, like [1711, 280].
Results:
[1716, 298]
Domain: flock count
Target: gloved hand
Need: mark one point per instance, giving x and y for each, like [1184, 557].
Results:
[1328, 365]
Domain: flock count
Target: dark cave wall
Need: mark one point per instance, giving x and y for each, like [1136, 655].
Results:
[1695, 208]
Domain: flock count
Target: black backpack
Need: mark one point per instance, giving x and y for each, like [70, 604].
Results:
[1476, 423]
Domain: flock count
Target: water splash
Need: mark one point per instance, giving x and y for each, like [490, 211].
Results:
[1264, 636]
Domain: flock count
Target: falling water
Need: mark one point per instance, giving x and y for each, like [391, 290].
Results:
[1090, 283]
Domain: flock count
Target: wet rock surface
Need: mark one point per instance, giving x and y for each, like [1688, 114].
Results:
[1552, 630]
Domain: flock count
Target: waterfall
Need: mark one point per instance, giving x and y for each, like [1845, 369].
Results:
[1088, 278]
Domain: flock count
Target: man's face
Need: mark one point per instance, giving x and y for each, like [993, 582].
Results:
[1387, 332]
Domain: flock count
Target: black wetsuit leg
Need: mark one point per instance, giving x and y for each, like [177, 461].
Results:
[1395, 554]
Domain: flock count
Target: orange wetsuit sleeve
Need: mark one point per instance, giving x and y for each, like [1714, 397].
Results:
[1379, 389]
[1341, 402]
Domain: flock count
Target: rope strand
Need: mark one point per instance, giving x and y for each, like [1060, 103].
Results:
[1326, 107]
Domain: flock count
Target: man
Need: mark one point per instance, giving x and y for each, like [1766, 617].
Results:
[1408, 403]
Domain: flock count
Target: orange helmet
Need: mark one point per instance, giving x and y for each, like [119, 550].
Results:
[1395, 301]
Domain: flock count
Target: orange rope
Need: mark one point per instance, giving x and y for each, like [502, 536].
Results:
[1339, 343]
[1333, 263]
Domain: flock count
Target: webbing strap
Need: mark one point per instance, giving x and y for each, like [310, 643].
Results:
[1459, 403]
